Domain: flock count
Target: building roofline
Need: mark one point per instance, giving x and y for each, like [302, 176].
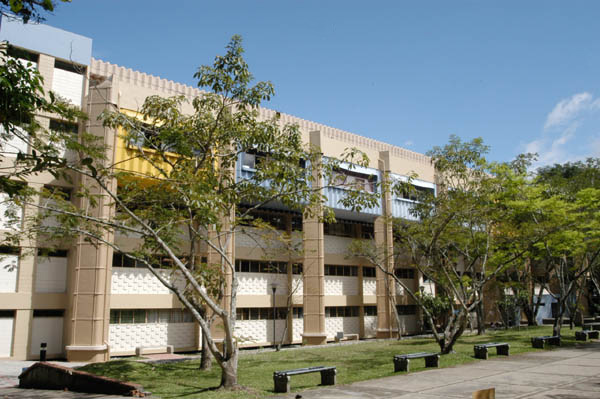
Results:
[170, 87]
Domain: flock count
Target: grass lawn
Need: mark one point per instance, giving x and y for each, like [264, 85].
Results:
[358, 362]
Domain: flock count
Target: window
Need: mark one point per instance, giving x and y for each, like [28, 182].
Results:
[297, 224]
[335, 270]
[353, 180]
[48, 313]
[341, 229]
[59, 191]
[406, 310]
[297, 268]
[367, 230]
[148, 316]
[63, 126]
[255, 266]
[341, 311]
[260, 313]
[405, 273]
[298, 313]
[416, 192]
[69, 67]
[369, 271]
[370, 310]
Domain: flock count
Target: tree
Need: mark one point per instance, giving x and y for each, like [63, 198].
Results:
[28, 9]
[22, 97]
[458, 232]
[189, 186]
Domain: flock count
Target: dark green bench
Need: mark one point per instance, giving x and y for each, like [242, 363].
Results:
[402, 362]
[481, 350]
[539, 342]
[282, 378]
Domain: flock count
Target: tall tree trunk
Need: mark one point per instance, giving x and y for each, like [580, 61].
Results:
[206, 359]
[229, 371]
[480, 316]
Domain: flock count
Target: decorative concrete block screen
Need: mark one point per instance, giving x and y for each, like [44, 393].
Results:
[258, 331]
[9, 270]
[6, 205]
[51, 274]
[341, 285]
[349, 325]
[68, 85]
[124, 338]
[261, 283]
[369, 286]
[129, 280]
[408, 324]
[298, 325]
[14, 145]
[370, 326]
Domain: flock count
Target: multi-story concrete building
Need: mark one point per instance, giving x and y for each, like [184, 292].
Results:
[89, 303]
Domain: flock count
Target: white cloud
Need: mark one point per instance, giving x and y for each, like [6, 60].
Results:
[568, 108]
[553, 150]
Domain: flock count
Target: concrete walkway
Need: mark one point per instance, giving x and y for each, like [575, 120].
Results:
[571, 373]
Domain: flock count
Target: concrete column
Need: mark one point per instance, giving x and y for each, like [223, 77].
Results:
[87, 319]
[22, 333]
[384, 240]
[314, 265]
[361, 308]
[46, 69]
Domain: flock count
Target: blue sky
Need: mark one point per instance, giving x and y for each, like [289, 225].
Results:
[521, 74]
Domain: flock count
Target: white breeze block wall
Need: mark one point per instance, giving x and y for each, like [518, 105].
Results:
[51, 274]
[370, 326]
[408, 324]
[68, 85]
[369, 286]
[50, 331]
[258, 331]
[409, 283]
[337, 245]
[126, 337]
[6, 205]
[14, 145]
[298, 326]
[129, 280]
[260, 283]
[349, 325]
[298, 285]
[341, 285]
[9, 270]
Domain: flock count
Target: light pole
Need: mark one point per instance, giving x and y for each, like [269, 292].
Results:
[274, 289]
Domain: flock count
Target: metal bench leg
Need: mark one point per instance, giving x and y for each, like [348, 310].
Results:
[328, 377]
[581, 336]
[401, 365]
[537, 343]
[481, 353]
[432, 361]
[502, 350]
[282, 383]
[594, 334]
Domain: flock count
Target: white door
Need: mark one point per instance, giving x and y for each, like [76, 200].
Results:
[50, 331]
[6, 335]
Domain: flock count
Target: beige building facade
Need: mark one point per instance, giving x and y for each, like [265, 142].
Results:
[89, 303]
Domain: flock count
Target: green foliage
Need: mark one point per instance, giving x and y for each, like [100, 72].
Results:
[28, 9]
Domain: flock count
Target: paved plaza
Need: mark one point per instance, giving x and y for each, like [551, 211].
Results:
[570, 373]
